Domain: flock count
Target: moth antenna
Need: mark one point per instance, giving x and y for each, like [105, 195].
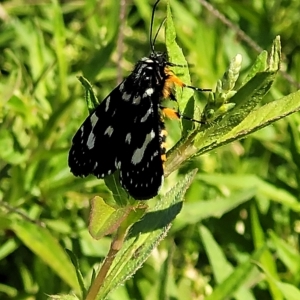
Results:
[151, 27]
[158, 30]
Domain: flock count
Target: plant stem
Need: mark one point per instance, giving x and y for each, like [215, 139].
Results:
[184, 151]
[114, 249]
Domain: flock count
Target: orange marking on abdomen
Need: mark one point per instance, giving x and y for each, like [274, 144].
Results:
[170, 113]
[171, 80]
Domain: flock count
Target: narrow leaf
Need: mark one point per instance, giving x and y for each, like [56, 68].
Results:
[42, 243]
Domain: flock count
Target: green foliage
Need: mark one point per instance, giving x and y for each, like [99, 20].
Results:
[235, 235]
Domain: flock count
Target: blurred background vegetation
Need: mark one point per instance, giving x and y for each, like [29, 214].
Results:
[245, 194]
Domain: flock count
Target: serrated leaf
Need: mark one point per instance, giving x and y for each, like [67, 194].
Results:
[145, 235]
[258, 119]
[222, 132]
[175, 55]
[259, 65]
[246, 100]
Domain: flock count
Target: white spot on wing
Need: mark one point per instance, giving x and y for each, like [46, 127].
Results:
[148, 92]
[107, 103]
[126, 96]
[94, 119]
[117, 164]
[109, 131]
[139, 153]
[128, 138]
[95, 166]
[91, 140]
[145, 117]
[136, 100]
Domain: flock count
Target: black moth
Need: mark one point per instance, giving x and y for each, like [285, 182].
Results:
[126, 131]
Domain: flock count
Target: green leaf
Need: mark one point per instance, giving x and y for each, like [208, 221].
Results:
[145, 235]
[105, 219]
[63, 297]
[222, 269]
[194, 212]
[218, 102]
[241, 117]
[90, 96]
[288, 291]
[246, 99]
[59, 47]
[43, 244]
[266, 259]
[256, 120]
[175, 55]
[259, 65]
[255, 183]
[236, 279]
[80, 279]
[286, 253]
[120, 196]
[8, 291]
